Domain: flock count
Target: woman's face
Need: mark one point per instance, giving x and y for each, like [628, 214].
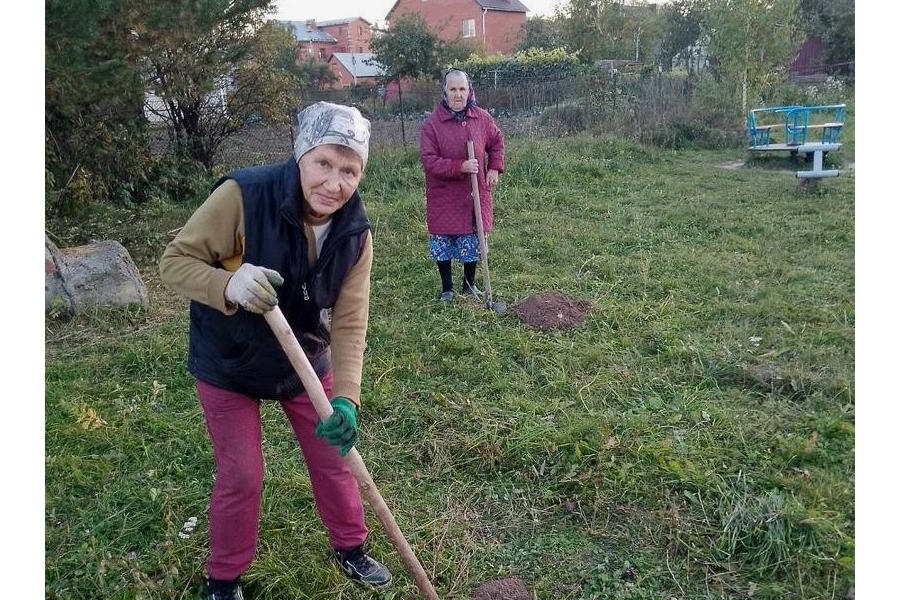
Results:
[329, 174]
[456, 90]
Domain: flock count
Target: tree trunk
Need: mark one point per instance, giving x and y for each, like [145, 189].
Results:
[402, 119]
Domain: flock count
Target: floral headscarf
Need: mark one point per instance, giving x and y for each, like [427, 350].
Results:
[327, 123]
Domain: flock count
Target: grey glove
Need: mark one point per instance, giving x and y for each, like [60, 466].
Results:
[251, 288]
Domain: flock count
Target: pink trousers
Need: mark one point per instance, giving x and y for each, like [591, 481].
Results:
[235, 429]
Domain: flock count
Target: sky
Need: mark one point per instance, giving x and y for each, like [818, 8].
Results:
[373, 11]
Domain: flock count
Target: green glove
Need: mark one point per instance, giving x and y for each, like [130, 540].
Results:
[341, 428]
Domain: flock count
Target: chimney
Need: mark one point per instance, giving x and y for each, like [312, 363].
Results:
[311, 23]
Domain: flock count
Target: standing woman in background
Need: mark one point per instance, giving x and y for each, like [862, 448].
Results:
[449, 205]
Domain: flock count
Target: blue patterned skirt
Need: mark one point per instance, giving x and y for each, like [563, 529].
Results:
[463, 248]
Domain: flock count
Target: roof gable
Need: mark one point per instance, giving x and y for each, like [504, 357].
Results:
[303, 32]
[357, 63]
[500, 5]
[346, 21]
[504, 5]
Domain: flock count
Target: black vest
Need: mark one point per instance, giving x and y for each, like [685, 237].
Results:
[239, 352]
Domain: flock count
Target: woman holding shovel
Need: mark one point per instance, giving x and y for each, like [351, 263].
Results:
[301, 227]
[449, 205]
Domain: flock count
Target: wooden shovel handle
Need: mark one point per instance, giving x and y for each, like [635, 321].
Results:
[312, 384]
[479, 227]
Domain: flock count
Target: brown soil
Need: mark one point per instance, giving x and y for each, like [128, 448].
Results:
[552, 310]
[511, 588]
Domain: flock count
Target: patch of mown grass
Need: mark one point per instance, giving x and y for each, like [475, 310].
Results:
[693, 437]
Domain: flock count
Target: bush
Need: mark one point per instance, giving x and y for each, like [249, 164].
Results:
[676, 135]
[98, 161]
[135, 177]
[568, 118]
[179, 179]
[534, 63]
[652, 108]
[831, 91]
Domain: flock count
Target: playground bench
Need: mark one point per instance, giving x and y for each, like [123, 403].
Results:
[818, 150]
[762, 134]
[828, 132]
[792, 124]
[791, 130]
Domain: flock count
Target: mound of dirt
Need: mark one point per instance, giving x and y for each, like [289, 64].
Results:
[552, 310]
[511, 588]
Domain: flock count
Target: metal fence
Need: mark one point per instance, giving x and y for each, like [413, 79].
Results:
[497, 95]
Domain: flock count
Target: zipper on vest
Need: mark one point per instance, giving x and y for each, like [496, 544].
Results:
[305, 292]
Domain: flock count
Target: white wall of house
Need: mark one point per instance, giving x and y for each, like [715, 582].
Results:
[155, 107]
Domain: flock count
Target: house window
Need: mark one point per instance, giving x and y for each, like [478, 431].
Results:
[468, 28]
[322, 53]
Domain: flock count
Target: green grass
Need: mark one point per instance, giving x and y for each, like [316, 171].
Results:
[692, 438]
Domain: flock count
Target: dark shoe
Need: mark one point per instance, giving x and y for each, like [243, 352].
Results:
[446, 296]
[362, 568]
[469, 290]
[217, 589]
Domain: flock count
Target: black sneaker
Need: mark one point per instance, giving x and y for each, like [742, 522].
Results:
[218, 589]
[362, 568]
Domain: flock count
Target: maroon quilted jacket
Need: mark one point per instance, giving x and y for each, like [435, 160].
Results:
[449, 205]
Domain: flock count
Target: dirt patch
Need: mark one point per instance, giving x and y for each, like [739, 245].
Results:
[511, 588]
[552, 310]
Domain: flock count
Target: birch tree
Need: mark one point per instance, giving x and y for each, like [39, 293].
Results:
[750, 44]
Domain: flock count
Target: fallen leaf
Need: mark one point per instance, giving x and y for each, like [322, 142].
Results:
[89, 419]
[812, 441]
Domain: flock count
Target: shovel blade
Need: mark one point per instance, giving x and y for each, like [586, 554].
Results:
[498, 307]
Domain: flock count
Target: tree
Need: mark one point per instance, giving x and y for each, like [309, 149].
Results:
[680, 32]
[210, 62]
[750, 43]
[409, 49]
[455, 51]
[540, 32]
[95, 143]
[646, 25]
[596, 28]
[608, 29]
[315, 74]
[833, 21]
[309, 73]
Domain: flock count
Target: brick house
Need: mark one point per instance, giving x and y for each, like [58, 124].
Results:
[312, 43]
[319, 40]
[494, 25]
[353, 68]
[353, 35]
